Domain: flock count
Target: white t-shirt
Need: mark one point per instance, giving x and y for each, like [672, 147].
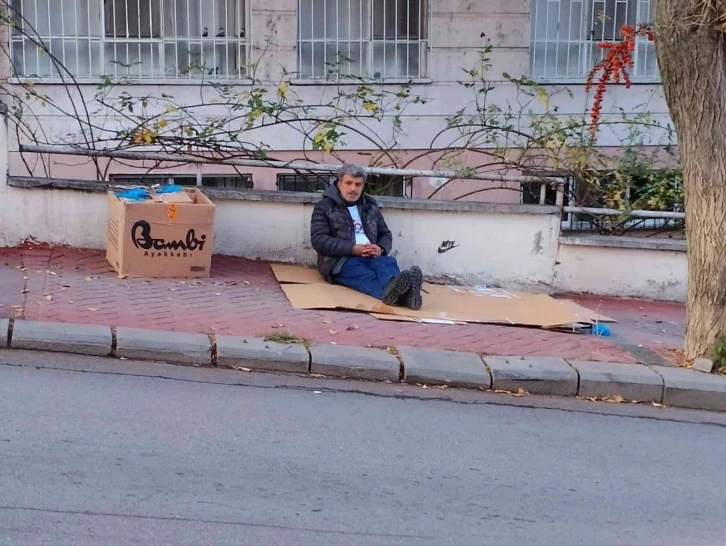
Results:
[360, 235]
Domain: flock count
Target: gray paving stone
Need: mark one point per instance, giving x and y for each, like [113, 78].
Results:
[688, 389]
[444, 368]
[703, 365]
[83, 339]
[631, 381]
[354, 362]
[551, 376]
[258, 354]
[4, 328]
[174, 347]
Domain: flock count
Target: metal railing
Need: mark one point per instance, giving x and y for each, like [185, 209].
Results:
[371, 39]
[565, 35]
[139, 39]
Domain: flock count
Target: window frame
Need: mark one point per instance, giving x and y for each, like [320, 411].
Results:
[585, 42]
[423, 43]
[101, 38]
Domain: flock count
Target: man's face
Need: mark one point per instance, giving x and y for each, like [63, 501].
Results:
[350, 188]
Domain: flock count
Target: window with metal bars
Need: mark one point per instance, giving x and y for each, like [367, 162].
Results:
[237, 182]
[137, 39]
[383, 185]
[370, 39]
[565, 35]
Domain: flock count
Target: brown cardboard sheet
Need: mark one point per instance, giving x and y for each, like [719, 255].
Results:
[442, 304]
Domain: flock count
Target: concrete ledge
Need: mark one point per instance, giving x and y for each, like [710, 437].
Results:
[218, 194]
[258, 354]
[444, 368]
[688, 389]
[174, 347]
[631, 381]
[674, 245]
[82, 339]
[551, 376]
[354, 362]
[4, 329]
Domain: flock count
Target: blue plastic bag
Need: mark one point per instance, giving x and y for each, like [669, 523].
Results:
[135, 195]
[171, 188]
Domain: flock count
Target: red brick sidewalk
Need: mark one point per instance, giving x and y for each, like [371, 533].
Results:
[243, 298]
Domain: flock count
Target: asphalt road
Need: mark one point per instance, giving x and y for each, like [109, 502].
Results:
[91, 456]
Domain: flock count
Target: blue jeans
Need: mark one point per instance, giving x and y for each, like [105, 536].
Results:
[368, 275]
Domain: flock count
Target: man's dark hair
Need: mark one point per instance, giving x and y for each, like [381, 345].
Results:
[352, 170]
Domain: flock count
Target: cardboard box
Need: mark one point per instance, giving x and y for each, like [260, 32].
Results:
[167, 236]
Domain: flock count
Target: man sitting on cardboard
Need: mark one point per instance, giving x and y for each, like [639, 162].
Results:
[353, 244]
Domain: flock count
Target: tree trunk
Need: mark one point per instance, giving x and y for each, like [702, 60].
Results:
[692, 60]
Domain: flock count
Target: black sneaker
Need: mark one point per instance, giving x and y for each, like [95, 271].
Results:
[396, 289]
[413, 299]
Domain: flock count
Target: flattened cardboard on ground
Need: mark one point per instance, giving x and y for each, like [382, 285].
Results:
[447, 304]
[173, 238]
[296, 274]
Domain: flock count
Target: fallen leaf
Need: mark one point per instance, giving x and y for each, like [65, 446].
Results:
[332, 331]
[48, 297]
[657, 405]
[52, 272]
[88, 279]
[318, 392]
[69, 301]
[123, 358]
[327, 321]
[21, 268]
[1, 305]
[25, 291]
[352, 328]
[92, 309]
[242, 369]
[317, 375]
[246, 283]
[218, 294]
[442, 387]
[17, 308]
[122, 276]
[25, 278]
[333, 343]
[617, 399]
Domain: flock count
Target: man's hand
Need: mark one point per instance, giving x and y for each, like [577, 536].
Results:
[372, 251]
[359, 250]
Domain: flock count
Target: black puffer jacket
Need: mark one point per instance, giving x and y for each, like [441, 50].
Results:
[332, 235]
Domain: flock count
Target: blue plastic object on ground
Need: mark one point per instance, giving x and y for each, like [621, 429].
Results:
[136, 194]
[600, 330]
[171, 188]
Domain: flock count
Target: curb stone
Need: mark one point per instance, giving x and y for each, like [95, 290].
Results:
[695, 390]
[632, 382]
[444, 368]
[4, 332]
[553, 376]
[354, 363]
[258, 354]
[84, 339]
[183, 348]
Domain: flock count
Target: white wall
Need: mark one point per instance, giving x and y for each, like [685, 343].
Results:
[622, 272]
[506, 245]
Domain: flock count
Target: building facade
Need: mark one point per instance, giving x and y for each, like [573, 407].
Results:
[318, 51]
